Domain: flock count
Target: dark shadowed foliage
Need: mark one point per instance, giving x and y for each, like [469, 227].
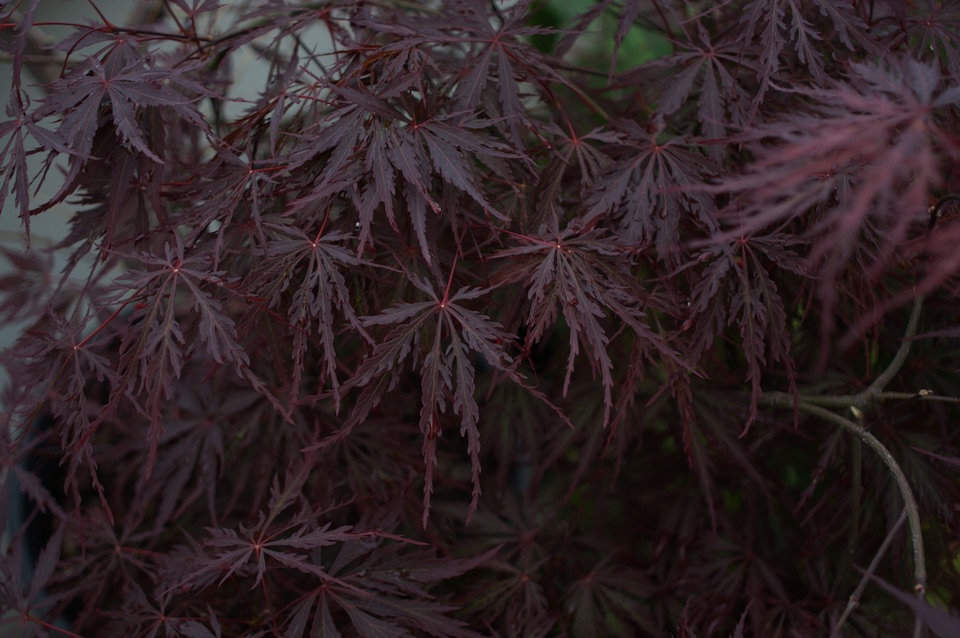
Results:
[483, 319]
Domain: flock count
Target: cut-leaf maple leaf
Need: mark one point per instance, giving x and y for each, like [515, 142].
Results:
[736, 288]
[317, 264]
[448, 332]
[862, 159]
[152, 353]
[368, 132]
[647, 190]
[578, 272]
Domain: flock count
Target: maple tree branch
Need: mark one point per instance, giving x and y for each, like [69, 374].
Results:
[786, 400]
[922, 395]
[900, 357]
[856, 488]
[851, 400]
[874, 392]
[38, 56]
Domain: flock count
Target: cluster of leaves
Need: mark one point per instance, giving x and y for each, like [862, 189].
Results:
[450, 329]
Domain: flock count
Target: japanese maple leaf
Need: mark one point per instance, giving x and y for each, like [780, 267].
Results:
[23, 600]
[232, 185]
[447, 333]
[574, 153]
[382, 593]
[113, 92]
[23, 135]
[934, 27]
[314, 267]
[501, 52]
[401, 154]
[647, 190]
[126, 89]
[779, 23]
[192, 448]
[144, 617]
[736, 288]
[609, 596]
[249, 549]
[284, 543]
[862, 159]
[577, 273]
[710, 71]
[61, 364]
[152, 352]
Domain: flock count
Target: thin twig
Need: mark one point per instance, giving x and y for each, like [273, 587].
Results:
[900, 358]
[874, 392]
[847, 400]
[856, 487]
[854, 600]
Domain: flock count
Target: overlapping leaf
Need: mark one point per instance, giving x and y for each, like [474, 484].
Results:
[152, 353]
[578, 275]
[736, 289]
[314, 266]
[444, 333]
[372, 138]
[645, 192]
[862, 159]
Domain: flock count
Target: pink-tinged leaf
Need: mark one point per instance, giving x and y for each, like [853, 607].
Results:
[870, 175]
[947, 98]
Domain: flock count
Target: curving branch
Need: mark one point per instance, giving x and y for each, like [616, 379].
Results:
[885, 377]
[785, 400]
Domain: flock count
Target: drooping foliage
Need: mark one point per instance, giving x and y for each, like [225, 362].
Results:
[480, 318]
